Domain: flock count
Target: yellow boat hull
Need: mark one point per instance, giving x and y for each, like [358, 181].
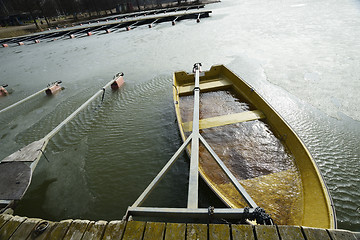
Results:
[257, 145]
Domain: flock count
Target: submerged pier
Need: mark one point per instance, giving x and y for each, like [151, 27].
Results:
[15, 227]
[117, 23]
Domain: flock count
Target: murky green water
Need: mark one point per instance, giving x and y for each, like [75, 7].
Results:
[291, 52]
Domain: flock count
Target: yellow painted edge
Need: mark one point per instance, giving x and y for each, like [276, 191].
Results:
[225, 120]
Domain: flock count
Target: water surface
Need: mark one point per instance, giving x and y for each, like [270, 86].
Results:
[301, 56]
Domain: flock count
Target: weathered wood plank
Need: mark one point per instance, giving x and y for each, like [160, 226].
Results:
[154, 230]
[76, 230]
[315, 233]
[28, 153]
[95, 230]
[175, 231]
[4, 218]
[134, 230]
[15, 227]
[58, 230]
[10, 227]
[15, 178]
[114, 230]
[196, 232]
[219, 231]
[45, 233]
[240, 232]
[290, 232]
[25, 229]
[264, 232]
[225, 120]
[341, 234]
[205, 86]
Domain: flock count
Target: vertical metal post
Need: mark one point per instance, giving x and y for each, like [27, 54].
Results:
[194, 158]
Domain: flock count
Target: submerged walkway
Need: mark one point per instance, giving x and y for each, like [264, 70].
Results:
[15, 227]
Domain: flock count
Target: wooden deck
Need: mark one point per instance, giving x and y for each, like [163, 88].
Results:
[15, 227]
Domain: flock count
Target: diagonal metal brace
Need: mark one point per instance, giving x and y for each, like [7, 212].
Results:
[160, 175]
[233, 179]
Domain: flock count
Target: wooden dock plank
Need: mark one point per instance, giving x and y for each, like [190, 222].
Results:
[4, 218]
[44, 234]
[134, 230]
[25, 229]
[341, 234]
[240, 232]
[58, 230]
[175, 231]
[114, 230]
[15, 178]
[15, 227]
[225, 120]
[219, 231]
[315, 233]
[154, 230]
[290, 232]
[95, 230]
[196, 231]
[76, 230]
[10, 227]
[264, 232]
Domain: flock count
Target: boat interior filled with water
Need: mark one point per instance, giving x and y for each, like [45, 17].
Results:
[256, 144]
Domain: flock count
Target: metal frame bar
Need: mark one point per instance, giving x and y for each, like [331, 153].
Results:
[69, 118]
[192, 209]
[23, 100]
[238, 186]
[194, 157]
[227, 213]
[164, 170]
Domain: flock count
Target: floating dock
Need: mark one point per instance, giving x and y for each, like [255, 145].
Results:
[15, 227]
[122, 22]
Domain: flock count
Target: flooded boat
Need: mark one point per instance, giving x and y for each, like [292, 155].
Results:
[256, 144]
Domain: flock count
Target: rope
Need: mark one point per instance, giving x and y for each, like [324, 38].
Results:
[44, 154]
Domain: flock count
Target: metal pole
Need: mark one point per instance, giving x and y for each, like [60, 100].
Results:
[57, 129]
[163, 171]
[21, 101]
[236, 183]
[194, 158]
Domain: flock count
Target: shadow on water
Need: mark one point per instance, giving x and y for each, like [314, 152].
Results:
[36, 199]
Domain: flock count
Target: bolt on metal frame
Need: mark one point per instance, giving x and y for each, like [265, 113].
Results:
[192, 210]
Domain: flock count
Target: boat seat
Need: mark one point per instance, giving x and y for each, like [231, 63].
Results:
[218, 84]
[225, 120]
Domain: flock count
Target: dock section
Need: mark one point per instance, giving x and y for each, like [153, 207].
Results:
[123, 22]
[15, 227]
